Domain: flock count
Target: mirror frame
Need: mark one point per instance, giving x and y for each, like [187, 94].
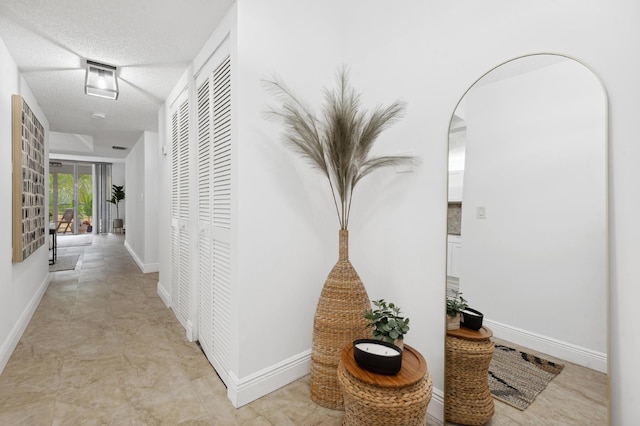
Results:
[607, 222]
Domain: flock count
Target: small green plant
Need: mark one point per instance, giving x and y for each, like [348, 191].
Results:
[386, 321]
[456, 303]
[117, 195]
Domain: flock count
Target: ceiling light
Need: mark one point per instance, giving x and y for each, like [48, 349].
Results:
[98, 116]
[101, 80]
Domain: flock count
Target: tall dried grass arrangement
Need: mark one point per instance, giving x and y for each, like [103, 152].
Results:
[339, 143]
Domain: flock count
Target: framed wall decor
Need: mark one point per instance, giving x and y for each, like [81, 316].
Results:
[28, 179]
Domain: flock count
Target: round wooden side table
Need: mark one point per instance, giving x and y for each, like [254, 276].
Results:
[378, 400]
[467, 399]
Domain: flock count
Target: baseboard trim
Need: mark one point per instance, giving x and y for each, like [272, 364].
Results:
[10, 343]
[144, 267]
[435, 409]
[164, 295]
[248, 389]
[556, 348]
[190, 331]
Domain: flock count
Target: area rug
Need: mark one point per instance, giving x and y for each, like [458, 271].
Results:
[74, 240]
[516, 377]
[64, 263]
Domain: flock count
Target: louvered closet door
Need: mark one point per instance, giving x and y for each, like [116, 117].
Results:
[222, 191]
[180, 210]
[205, 250]
[184, 211]
[214, 216]
[175, 226]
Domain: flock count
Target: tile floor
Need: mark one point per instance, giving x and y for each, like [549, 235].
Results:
[102, 349]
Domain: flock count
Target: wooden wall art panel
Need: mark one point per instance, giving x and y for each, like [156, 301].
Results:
[28, 224]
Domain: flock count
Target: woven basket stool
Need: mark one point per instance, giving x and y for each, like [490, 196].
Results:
[372, 399]
[467, 399]
[339, 320]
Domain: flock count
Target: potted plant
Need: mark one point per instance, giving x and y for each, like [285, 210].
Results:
[383, 353]
[387, 323]
[117, 195]
[338, 143]
[455, 304]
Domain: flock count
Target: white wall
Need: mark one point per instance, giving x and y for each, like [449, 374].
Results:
[428, 54]
[135, 207]
[150, 198]
[286, 228]
[141, 170]
[163, 208]
[22, 284]
[535, 159]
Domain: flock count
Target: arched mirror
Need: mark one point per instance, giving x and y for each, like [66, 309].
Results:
[527, 246]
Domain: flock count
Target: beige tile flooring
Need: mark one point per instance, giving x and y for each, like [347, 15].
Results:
[102, 349]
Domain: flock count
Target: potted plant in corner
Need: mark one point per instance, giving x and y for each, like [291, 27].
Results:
[338, 143]
[117, 195]
[455, 304]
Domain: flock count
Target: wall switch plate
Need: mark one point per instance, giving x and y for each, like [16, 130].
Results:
[481, 212]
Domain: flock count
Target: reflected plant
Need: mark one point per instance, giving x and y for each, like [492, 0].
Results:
[455, 303]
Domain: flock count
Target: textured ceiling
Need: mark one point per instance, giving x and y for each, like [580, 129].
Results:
[150, 41]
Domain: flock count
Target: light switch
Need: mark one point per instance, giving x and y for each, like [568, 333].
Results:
[481, 212]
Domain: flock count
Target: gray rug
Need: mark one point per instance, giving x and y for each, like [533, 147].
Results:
[516, 377]
[74, 240]
[65, 263]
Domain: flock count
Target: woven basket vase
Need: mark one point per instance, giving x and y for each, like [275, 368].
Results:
[339, 320]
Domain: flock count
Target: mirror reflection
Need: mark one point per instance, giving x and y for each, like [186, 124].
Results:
[527, 246]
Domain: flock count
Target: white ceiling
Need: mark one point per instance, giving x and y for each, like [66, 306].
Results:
[150, 41]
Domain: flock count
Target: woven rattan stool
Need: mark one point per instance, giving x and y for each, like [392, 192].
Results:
[467, 398]
[377, 400]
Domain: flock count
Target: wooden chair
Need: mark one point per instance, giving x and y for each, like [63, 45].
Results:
[67, 219]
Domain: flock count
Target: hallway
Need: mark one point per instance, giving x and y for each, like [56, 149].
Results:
[102, 348]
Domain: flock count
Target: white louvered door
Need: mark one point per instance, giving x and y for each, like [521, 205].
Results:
[222, 150]
[180, 210]
[175, 219]
[214, 215]
[205, 253]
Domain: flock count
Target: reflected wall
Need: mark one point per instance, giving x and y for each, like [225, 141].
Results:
[527, 168]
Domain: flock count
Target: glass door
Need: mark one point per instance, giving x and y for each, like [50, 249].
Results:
[71, 197]
[62, 197]
[85, 198]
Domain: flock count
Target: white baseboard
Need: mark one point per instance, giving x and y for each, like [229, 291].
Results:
[556, 348]
[164, 295]
[435, 409]
[144, 267]
[243, 391]
[10, 343]
[190, 331]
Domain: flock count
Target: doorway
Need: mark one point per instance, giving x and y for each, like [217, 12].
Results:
[71, 203]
